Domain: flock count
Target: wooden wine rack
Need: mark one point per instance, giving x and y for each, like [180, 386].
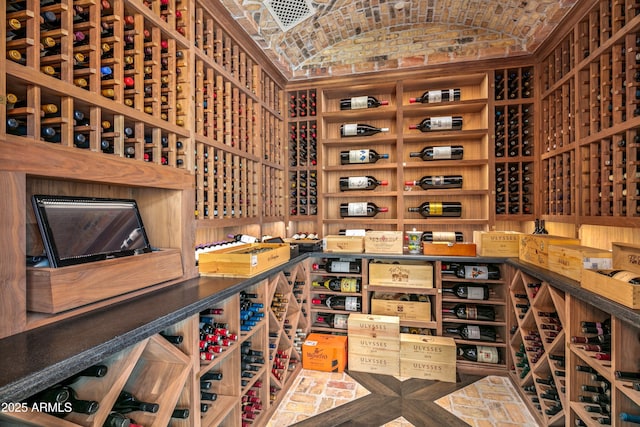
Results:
[514, 143]
[589, 115]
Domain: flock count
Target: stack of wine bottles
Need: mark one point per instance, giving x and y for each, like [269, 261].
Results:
[303, 192]
[215, 336]
[303, 103]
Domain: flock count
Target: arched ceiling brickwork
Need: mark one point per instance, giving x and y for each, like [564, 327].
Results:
[346, 36]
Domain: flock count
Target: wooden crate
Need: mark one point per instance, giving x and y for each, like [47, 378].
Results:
[373, 326]
[497, 243]
[378, 346]
[53, 290]
[377, 364]
[406, 275]
[243, 261]
[383, 242]
[428, 370]
[405, 310]
[626, 256]
[428, 348]
[323, 352]
[448, 249]
[343, 244]
[572, 260]
[534, 248]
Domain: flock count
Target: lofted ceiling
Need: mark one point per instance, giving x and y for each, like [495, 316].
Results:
[341, 37]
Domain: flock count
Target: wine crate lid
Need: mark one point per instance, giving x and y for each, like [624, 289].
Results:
[428, 348]
[534, 248]
[448, 249]
[375, 363]
[343, 244]
[571, 260]
[405, 310]
[383, 242]
[378, 346]
[409, 274]
[626, 256]
[427, 370]
[497, 243]
[374, 326]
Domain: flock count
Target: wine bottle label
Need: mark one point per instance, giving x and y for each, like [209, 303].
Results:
[441, 153]
[340, 321]
[340, 267]
[472, 312]
[444, 236]
[357, 209]
[358, 102]
[435, 208]
[351, 304]
[476, 272]
[351, 130]
[441, 123]
[487, 354]
[357, 156]
[357, 182]
[626, 276]
[475, 292]
[438, 180]
[473, 332]
[348, 284]
[435, 96]
[355, 232]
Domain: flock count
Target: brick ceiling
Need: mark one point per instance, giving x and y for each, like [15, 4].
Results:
[346, 36]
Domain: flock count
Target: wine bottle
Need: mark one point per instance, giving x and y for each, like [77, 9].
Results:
[472, 312]
[475, 292]
[481, 272]
[359, 129]
[359, 102]
[338, 266]
[345, 284]
[115, 419]
[335, 321]
[442, 236]
[433, 96]
[630, 418]
[173, 339]
[96, 371]
[623, 275]
[454, 152]
[360, 209]
[439, 181]
[343, 303]
[430, 209]
[180, 413]
[473, 332]
[360, 156]
[431, 124]
[360, 183]
[479, 353]
[79, 405]
[127, 402]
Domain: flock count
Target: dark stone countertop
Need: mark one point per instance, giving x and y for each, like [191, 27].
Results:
[38, 358]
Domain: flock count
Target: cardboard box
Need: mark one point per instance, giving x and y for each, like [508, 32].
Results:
[410, 275]
[343, 244]
[405, 310]
[373, 326]
[428, 348]
[323, 352]
[571, 260]
[428, 370]
[626, 256]
[377, 364]
[243, 261]
[449, 249]
[383, 242]
[497, 243]
[52, 290]
[534, 248]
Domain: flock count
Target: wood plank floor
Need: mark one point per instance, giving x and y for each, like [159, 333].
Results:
[391, 398]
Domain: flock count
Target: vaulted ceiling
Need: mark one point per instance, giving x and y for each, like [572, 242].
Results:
[339, 37]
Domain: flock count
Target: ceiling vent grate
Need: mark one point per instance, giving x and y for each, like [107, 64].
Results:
[289, 13]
